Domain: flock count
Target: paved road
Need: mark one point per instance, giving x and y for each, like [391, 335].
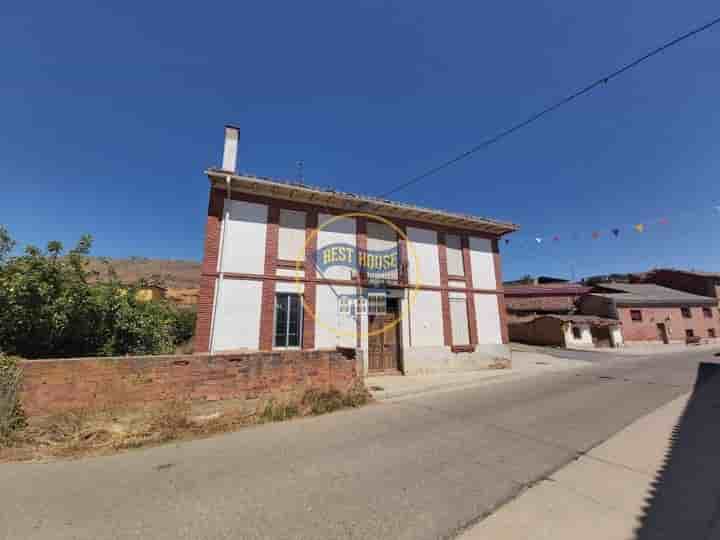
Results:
[418, 468]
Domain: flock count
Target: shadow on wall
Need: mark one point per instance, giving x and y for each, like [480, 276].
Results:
[685, 497]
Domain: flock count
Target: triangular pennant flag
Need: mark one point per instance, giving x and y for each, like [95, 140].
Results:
[507, 241]
[616, 232]
[639, 227]
[663, 221]
[556, 238]
[538, 240]
[595, 235]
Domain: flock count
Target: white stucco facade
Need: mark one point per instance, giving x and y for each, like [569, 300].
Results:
[438, 329]
[333, 329]
[482, 262]
[244, 238]
[585, 339]
[423, 258]
[237, 316]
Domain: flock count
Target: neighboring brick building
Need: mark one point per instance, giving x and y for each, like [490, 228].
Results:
[653, 314]
[288, 266]
[525, 300]
[695, 282]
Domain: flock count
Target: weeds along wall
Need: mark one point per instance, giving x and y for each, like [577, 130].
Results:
[60, 385]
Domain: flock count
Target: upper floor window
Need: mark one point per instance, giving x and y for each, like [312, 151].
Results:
[291, 236]
[636, 315]
[686, 313]
[455, 266]
[707, 312]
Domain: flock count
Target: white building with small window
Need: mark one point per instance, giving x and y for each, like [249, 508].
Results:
[414, 290]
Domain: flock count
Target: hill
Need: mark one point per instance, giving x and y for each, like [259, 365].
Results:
[181, 278]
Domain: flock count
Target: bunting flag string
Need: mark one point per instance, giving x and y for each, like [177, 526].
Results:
[597, 234]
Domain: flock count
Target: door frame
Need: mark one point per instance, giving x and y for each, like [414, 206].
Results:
[397, 329]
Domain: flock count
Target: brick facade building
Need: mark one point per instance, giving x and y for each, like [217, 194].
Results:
[292, 266]
[653, 314]
[702, 283]
[523, 300]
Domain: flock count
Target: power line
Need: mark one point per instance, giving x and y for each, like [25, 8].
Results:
[601, 81]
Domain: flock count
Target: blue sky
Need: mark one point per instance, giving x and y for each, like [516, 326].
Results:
[110, 115]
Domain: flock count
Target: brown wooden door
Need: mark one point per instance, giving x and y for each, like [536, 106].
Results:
[662, 333]
[384, 345]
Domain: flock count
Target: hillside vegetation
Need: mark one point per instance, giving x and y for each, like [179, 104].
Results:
[176, 274]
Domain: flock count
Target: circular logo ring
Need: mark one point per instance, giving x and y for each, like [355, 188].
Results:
[313, 235]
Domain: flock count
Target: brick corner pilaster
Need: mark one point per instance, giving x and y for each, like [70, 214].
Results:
[445, 297]
[267, 309]
[501, 291]
[470, 296]
[310, 295]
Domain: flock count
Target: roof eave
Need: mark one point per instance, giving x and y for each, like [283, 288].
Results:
[277, 190]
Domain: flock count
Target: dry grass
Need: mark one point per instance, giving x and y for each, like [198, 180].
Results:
[82, 433]
[12, 417]
[176, 274]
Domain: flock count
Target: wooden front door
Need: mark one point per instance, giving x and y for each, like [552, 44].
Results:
[384, 345]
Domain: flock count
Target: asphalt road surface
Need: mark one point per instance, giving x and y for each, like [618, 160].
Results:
[419, 468]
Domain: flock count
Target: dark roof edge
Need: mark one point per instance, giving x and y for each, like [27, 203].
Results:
[500, 227]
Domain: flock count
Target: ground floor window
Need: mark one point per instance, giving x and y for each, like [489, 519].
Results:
[377, 303]
[577, 332]
[689, 333]
[711, 332]
[288, 320]
[636, 315]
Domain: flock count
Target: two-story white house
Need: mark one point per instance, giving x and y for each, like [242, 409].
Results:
[287, 265]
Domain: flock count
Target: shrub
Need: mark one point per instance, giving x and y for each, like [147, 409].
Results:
[12, 417]
[276, 412]
[323, 402]
[51, 305]
[184, 324]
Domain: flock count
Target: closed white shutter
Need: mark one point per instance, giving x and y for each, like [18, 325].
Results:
[291, 238]
[459, 321]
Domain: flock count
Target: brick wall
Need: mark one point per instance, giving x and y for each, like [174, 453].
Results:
[52, 386]
[646, 330]
[692, 283]
[539, 303]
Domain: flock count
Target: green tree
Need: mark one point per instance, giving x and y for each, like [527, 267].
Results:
[51, 305]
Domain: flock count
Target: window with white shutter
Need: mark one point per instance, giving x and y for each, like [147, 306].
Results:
[454, 255]
[291, 237]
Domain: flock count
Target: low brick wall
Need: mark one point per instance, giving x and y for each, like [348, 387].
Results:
[51, 386]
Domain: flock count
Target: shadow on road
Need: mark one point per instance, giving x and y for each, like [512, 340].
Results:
[685, 498]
